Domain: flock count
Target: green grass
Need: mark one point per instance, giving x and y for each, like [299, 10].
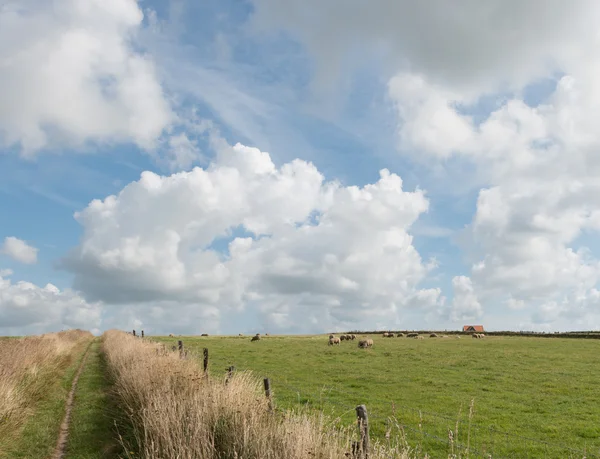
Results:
[92, 433]
[523, 388]
[39, 435]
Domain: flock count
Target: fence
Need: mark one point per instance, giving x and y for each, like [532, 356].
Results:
[427, 433]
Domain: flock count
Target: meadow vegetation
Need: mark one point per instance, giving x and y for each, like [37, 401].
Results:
[34, 381]
[531, 397]
[176, 412]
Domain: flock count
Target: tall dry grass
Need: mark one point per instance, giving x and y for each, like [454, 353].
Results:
[28, 366]
[175, 413]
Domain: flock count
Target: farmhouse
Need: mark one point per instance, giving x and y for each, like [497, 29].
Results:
[473, 328]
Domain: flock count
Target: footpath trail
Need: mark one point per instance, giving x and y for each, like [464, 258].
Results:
[91, 431]
[63, 435]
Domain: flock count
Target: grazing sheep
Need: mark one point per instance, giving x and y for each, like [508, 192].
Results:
[400, 335]
[333, 341]
[481, 335]
[204, 334]
[256, 337]
[386, 334]
[433, 335]
[478, 335]
[412, 335]
[266, 334]
[331, 336]
[365, 343]
[419, 337]
[348, 337]
[240, 334]
[171, 335]
[343, 337]
[444, 336]
[352, 337]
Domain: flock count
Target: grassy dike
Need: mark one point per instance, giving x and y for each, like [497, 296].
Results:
[92, 433]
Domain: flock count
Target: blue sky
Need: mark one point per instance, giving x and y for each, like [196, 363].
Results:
[350, 93]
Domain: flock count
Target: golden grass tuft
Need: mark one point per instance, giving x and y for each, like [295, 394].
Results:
[175, 412]
[27, 367]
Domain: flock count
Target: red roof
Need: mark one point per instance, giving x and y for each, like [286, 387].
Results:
[472, 328]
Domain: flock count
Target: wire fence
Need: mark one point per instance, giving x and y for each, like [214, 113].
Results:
[427, 433]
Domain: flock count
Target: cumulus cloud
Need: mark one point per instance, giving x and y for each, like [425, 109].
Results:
[72, 73]
[28, 309]
[19, 250]
[465, 305]
[540, 165]
[468, 45]
[244, 235]
[458, 87]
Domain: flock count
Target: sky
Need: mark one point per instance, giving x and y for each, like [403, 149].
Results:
[242, 166]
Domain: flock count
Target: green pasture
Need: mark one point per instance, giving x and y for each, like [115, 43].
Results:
[532, 397]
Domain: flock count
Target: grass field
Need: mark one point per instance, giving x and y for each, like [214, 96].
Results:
[533, 397]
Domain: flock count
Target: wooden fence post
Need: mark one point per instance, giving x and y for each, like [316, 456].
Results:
[230, 371]
[267, 383]
[180, 346]
[134, 333]
[363, 430]
[142, 334]
[205, 362]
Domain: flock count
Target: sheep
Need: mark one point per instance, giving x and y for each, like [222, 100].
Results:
[342, 337]
[365, 343]
[331, 336]
[400, 335]
[457, 336]
[348, 337]
[481, 335]
[266, 334]
[204, 334]
[240, 334]
[477, 335]
[386, 334]
[256, 337]
[419, 337]
[171, 335]
[433, 335]
[333, 341]
[412, 335]
[352, 337]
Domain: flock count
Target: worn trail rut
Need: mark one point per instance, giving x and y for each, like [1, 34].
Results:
[63, 436]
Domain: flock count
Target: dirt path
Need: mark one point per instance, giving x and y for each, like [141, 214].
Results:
[63, 436]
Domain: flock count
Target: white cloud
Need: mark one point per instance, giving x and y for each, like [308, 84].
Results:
[447, 63]
[28, 309]
[182, 151]
[303, 254]
[465, 305]
[540, 167]
[19, 250]
[72, 73]
[468, 45]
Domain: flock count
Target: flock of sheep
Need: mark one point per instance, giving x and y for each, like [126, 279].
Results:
[366, 343]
